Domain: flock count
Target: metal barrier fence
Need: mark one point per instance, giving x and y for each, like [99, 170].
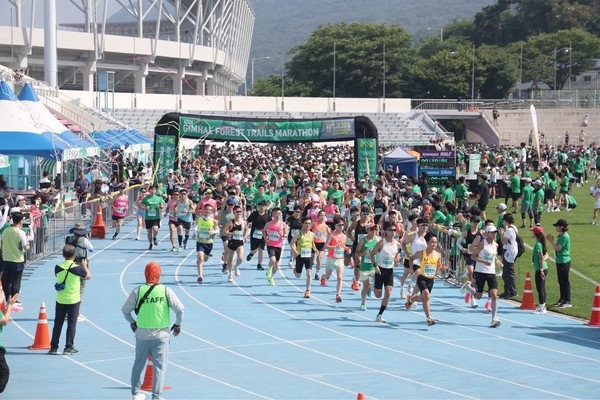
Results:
[50, 230]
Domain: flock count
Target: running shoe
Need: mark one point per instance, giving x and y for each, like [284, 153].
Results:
[80, 318]
[271, 281]
[408, 303]
[269, 273]
[16, 308]
[474, 303]
[323, 281]
[185, 244]
[180, 249]
[467, 297]
[369, 291]
[430, 321]
[495, 323]
[137, 238]
[307, 294]
[155, 242]
[355, 285]
[380, 318]
[139, 396]
[338, 298]
[363, 307]
[53, 352]
[174, 249]
[259, 268]
[224, 268]
[199, 280]
[249, 256]
[237, 271]
[488, 305]
[229, 278]
[558, 303]
[402, 294]
[114, 236]
[150, 247]
[69, 351]
[539, 310]
[316, 277]
[566, 304]
[463, 287]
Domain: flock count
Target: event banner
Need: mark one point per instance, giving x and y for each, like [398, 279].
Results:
[266, 131]
[165, 153]
[366, 157]
[440, 166]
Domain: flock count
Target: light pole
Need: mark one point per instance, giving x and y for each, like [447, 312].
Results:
[567, 50]
[441, 33]
[252, 69]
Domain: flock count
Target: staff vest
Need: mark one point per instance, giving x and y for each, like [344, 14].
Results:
[71, 294]
[154, 312]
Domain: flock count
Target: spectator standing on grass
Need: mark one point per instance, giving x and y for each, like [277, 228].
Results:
[508, 237]
[14, 244]
[540, 266]
[562, 247]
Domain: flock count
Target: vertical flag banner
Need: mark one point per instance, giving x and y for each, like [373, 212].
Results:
[536, 134]
[367, 157]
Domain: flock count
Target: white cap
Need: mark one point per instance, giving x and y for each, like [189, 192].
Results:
[501, 206]
[490, 229]
[434, 189]
[170, 170]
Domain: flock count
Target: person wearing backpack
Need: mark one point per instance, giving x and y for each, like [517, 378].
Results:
[508, 236]
[152, 303]
[68, 298]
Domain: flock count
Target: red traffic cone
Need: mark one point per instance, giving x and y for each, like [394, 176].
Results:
[527, 303]
[360, 396]
[149, 375]
[99, 229]
[595, 317]
[42, 337]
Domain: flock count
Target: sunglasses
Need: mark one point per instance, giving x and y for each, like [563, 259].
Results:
[238, 212]
[424, 225]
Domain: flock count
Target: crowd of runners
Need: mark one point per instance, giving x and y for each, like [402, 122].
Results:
[264, 202]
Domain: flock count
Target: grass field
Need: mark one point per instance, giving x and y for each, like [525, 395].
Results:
[585, 252]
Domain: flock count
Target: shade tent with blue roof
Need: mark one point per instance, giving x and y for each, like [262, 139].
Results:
[27, 129]
[122, 139]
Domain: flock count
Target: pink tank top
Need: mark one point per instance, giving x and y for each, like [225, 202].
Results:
[274, 234]
[120, 206]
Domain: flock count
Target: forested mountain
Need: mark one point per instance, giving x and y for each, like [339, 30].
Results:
[283, 24]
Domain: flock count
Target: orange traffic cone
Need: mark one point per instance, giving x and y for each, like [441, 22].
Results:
[360, 396]
[595, 317]
[147, 385]
[42, 338]
[99, 229]
[527, 303]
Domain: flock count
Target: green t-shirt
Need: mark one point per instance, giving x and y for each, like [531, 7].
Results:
[527, 196]
[153, 204]
[461, 191]
[515, 184]
[564, 255]
[265, 197]
[447, 196]
[535, 258]
[337, 196]
[538, 195]
[439, 217]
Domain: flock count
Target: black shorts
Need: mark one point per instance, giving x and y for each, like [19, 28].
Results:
[469, 260]
[482, 206]
[185, 224]
[385, 278]
[174, 223]
[564, 191]
[152, 222]
[170, 192]
[481, 279]
[234, 244]
[425, 283]
[320, 246]
[205, 248]
[116, 217]
[274, 252]
[406, 263]
[515, 196]
[549, 194]
[303, 263]
[256, 243]
[225, 238]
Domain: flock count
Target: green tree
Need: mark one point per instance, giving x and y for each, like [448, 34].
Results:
[359, 60]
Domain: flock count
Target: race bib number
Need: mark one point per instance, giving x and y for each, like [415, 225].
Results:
[319, 234]
[387, 262]
[273, 236]
[152, 213]
[305, 252]
[488, 258]
[257, 234]
[291, 204]
[378, 211]
[120, 210]
[338, 253]
[237, 235]
[329, 217]
[429, 271]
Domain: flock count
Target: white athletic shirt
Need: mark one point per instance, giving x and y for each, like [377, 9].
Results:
[488, 253]
[417, 245]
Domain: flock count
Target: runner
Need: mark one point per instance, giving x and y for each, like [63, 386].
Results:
[387, 254]
[207, 229]
[257, 221]
[119, 209]
[357, 230]
[172, 214]
[153, 205]
[321, 231]
[431, 262]
[237, 230]
[336, 248]
[185, 213]
[303, 247]
[294, 223]
[367, 268]
[274, 232]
